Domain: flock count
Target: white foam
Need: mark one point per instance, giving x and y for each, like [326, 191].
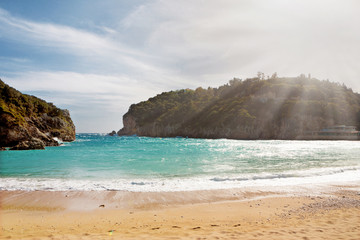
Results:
[309, 178]
[58, 140]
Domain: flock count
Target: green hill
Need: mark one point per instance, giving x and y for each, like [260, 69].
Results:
[24, 118]
[277, 108]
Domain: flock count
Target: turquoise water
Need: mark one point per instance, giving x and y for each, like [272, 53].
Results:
[100, 162]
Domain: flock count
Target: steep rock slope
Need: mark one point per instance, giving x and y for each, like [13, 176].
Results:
[27, 122]
[276, 108]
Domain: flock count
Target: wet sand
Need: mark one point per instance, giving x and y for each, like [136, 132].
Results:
[222, 214]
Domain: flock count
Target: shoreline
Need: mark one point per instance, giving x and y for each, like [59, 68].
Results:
[114, 199]
[224, 214]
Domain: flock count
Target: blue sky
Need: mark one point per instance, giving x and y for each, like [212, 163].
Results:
[96, 58]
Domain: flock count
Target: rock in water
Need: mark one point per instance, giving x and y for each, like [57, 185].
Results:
[27, 122]
[113, 133]
[33, 143]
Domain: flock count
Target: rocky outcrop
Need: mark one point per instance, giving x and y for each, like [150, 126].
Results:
[27, 122]
[33, 143]
[278, 108]
[113, 133]
[130, 126]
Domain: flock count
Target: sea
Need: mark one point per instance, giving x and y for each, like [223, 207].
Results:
[97, 162]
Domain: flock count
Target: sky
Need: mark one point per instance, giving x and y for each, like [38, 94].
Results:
[96, 58]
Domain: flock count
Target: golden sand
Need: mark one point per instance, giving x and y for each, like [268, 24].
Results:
[227, 214]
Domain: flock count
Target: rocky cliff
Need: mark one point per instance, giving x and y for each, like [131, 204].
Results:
[276, 108]
[27, 122]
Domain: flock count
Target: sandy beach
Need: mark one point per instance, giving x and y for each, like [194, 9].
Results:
[222, 214]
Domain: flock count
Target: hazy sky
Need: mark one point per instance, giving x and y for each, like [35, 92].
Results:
[96, 58]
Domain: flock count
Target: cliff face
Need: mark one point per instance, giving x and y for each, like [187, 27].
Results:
[277, 108]
[28, 122]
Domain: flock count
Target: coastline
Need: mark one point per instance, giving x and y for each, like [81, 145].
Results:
[249, 213]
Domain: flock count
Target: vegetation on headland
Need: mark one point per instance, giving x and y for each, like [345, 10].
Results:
[255, 108]
[23, 117]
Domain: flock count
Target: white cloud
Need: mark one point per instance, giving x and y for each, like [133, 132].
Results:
[90, 47]
[94, 86]
[231, 38]
[51, 34]
[69, 82]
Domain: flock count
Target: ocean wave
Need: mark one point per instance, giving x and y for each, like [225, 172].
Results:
[291, 174]
[83, 140]
[139, 183]
[170, 184]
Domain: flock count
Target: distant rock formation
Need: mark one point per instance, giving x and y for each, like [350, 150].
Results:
[27, 122]
[113, 133]
[276, 108]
